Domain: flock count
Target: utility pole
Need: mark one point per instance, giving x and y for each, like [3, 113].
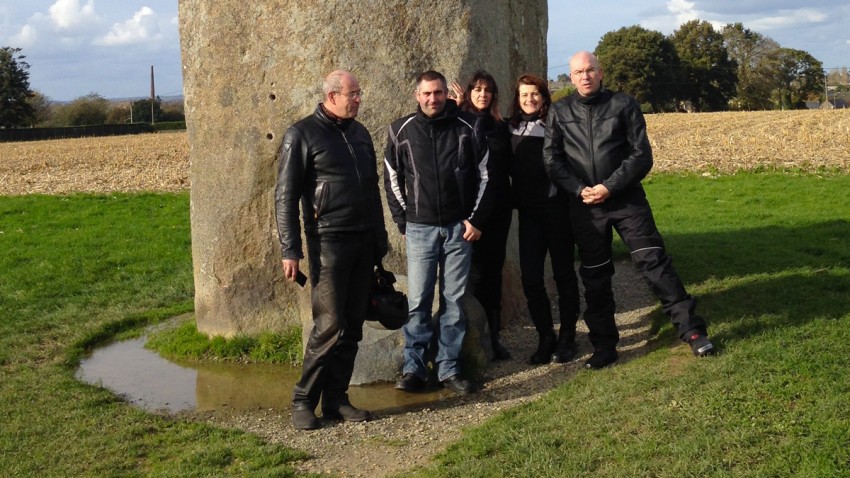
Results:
[826, 87]
[153, 96]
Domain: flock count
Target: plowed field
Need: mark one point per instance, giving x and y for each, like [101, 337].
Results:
[707, 143]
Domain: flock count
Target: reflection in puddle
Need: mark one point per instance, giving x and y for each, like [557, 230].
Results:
[143, 378]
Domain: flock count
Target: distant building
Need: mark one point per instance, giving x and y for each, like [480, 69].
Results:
[835, 103]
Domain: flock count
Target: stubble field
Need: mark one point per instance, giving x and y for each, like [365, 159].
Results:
[706, 143]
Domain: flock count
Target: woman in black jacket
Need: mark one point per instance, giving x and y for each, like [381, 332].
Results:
[544, 225]
[481, 97]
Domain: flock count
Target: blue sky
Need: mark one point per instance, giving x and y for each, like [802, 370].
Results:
[75, 47]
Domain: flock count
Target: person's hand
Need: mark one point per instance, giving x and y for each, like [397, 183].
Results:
[470, 233]
[595, 195]
[290, 269]
[458, 91]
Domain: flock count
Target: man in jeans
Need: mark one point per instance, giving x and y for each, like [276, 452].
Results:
[597, 151]
[327, 163]
[435, 177]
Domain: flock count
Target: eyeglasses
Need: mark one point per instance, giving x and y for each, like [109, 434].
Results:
[588, 72]
[352, 95]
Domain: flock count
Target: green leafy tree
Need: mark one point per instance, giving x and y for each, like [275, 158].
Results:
[173, 111]
[90, 109]
[15, 110]
[642, 63]
[838, 80]
[708, 75]
[118, 114]
[563, 93]
[142, 110]
[798, 76]
[752, 52]
[563, 77]
[42, 111]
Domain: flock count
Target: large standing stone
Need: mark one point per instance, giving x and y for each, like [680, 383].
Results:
[253, 68]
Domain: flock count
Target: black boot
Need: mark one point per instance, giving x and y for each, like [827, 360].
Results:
[545, 347]
[541, 316]
[494, 320]
[565, 351]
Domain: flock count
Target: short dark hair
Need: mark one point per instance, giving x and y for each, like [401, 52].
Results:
[431, 75]
[542, 87]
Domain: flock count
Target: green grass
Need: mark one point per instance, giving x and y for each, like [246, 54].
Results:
[186, 343]
[768, 256]
[75, 271]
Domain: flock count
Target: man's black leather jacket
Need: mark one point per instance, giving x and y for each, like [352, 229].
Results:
[330, 166]
[597, 140]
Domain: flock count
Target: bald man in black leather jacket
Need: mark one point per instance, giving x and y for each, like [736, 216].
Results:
[596, 150]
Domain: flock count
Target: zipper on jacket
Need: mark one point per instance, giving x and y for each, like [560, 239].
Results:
[590, 143]
[353, 156]
[436, 173]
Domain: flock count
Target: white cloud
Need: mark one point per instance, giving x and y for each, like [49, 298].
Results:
[680, 6]
[678, 13]
[142, 27]
[25, 38]
[69, 14]
[788, 18]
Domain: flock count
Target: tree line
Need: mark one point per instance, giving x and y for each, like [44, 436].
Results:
[22, 107]
[698, 68]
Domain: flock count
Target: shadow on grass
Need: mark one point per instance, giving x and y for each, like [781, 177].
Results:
[752, 280]
[760, 279]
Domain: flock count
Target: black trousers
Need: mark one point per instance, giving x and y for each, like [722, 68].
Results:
[631, 217]
[546, 230]
[488, 259]
[341, 266]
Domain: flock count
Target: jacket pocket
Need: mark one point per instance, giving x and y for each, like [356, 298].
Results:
[322, 193]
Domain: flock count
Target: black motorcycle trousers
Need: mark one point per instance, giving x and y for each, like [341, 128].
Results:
[341, 266]
[632, 218]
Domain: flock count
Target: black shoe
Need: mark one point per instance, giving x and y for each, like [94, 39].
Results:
[410, 383]
[347, 412]
[565, 352]
[700, 345]
[459, 385]
[545, 348]
[499, 351]
[601, 358]
[304, 419]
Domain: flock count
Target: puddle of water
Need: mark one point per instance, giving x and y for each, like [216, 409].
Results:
[145, 379]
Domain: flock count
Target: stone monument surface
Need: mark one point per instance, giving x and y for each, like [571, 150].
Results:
[251, 69]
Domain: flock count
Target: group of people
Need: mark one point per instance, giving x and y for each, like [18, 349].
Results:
[453, 172]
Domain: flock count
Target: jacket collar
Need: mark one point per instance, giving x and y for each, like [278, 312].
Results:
[326, 115]
[449, 111]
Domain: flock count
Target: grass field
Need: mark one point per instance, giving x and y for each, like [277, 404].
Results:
[767, 254]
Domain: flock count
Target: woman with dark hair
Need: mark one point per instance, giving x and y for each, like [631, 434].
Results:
[481, 97]
[544, 225]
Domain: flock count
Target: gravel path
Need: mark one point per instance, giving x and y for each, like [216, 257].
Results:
[395, 441]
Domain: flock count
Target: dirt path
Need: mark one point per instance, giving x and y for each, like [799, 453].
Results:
[398, 440]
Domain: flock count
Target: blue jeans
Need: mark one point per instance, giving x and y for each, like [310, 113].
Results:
[433, 250]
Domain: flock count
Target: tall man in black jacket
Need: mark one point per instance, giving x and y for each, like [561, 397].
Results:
[327, 162]
[436, 179]
[597, 151]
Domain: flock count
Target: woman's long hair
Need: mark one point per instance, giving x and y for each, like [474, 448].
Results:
[542, 87]
[487, 79]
